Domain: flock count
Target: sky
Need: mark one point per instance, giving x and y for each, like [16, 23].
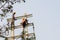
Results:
[46, 17]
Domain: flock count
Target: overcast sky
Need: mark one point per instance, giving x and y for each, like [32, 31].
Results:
[46, 17]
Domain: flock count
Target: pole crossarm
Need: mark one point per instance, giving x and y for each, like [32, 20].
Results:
[20, 17]
[19, 36]
[2, 36]
[20, 26]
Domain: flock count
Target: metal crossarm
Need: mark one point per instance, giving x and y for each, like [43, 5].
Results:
[20, 26]
[19, 17]
[19, 36]
[2, 36]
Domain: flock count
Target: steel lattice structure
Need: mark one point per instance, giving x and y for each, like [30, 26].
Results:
[9, 8]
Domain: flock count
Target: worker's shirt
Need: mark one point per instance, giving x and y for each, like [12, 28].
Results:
[24, 22]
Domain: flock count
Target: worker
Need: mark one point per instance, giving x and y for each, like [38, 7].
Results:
[24, 23]
[13, 18]
[14, 15]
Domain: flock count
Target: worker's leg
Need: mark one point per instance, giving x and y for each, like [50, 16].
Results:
[23, 30]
